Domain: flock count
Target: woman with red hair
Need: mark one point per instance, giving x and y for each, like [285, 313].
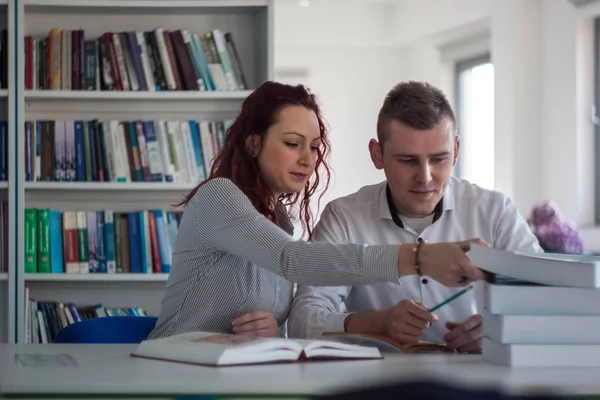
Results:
[235, 260]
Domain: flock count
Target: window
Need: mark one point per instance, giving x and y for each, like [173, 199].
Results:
[596, 116]
[475, 120]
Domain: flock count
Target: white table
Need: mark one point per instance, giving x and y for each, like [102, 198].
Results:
[109, 370]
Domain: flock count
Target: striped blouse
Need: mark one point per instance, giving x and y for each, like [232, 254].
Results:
[229, 260]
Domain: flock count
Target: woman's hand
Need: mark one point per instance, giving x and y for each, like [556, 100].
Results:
[257, 323]
[449, 264]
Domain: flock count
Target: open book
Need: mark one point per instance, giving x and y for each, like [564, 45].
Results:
[212, 349]
[386, 344]
[544, 268]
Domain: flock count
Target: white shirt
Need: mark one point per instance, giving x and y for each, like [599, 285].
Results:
[467, 211]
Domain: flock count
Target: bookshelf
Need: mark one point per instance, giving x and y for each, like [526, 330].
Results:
[8, 183]
[250, 24]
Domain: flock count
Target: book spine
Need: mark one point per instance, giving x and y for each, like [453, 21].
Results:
[43, 238]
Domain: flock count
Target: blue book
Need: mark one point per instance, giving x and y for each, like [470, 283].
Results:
[56, 242]
[154, 159]
[79, 152]
[100, 243]
[197, 150]
[109, 242]
[28, 163]
[135, 255]
[143, 243]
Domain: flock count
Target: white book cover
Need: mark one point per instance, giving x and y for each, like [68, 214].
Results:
[141, 41]
[542, 329]
[541, 355]
[213, 349]
[547, 269]
[530, 298]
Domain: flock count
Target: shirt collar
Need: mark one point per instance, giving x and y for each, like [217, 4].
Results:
[387, 209]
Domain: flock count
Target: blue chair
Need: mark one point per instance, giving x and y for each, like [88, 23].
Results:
[117, 329]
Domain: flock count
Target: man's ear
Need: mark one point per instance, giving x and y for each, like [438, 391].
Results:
[253, 143]
[456, 148]
[376, 153]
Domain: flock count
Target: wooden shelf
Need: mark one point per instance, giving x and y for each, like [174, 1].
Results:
[96, 277]
[3, 276]
[96, 95]
[107, 186]
[3, 185]
[144, 3]
[3, 92]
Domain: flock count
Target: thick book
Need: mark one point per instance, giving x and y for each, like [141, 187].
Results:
[386, 344]
[542, 329]
[520, 297]
[213, 349]
[541, 355]
[544, 268]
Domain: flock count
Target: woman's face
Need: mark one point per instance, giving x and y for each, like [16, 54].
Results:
[288, 153]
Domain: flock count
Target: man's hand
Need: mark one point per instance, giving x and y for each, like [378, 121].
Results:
[406, 321]
[465, 337]
[258, 323]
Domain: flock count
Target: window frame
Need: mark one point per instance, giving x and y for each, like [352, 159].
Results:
[459, 67]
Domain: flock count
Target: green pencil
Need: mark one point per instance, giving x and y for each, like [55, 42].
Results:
[453, 297]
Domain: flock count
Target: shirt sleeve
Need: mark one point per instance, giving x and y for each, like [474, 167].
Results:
[318, 309]
[512, 232]
[228, 222]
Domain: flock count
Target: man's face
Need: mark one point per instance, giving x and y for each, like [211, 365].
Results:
[417, 165]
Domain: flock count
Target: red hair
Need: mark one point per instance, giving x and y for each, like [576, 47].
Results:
[259, 112]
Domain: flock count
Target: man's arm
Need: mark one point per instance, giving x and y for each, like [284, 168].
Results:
[512, 232]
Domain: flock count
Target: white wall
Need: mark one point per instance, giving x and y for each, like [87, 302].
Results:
[346, 50]
[353, 52]
[543, 55]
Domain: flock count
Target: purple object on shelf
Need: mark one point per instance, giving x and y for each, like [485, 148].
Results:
[554, 232]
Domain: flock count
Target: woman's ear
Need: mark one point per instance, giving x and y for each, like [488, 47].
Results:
[253, 144]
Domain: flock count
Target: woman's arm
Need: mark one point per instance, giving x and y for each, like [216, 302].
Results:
[227, 221]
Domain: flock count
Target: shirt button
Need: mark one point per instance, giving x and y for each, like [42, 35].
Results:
[420, 240]
[424, 281]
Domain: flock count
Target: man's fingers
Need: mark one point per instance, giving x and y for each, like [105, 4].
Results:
[474, 322]
[474, 347]
[420, 311]
[454, 333]
[251, 316]
[464, 338]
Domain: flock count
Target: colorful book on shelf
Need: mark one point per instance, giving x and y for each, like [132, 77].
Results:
[217, 350]
[102, 241]
[544, 268]
[122, 151]
[151, 60]
[386, 344]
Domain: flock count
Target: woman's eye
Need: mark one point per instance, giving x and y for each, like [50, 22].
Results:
[289, 144]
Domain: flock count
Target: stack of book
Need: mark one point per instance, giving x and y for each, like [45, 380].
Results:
[542, 310]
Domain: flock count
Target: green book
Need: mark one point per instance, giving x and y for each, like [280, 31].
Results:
[31, 227]
[43, 239]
